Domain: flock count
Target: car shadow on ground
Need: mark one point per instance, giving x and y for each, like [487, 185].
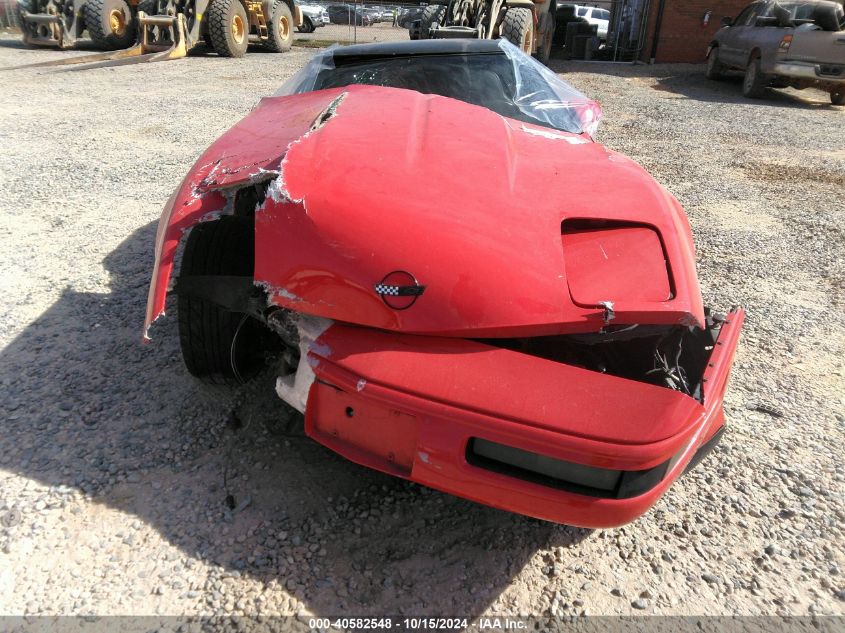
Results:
[688, 81]
[729, 90]
[94, 409]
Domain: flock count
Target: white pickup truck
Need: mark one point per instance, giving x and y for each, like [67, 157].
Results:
[597, 16]
[780, 44]
[313, 17]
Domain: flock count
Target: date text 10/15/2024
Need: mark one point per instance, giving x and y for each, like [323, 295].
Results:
[415, 624]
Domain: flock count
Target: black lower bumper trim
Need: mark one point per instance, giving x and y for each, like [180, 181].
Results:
[704, 450]
[568, 476]
[591, 481]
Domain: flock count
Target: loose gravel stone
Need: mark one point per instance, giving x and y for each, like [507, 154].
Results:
[116, 465]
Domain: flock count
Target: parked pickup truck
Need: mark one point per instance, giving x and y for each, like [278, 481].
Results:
[313, 17]
[780, 44]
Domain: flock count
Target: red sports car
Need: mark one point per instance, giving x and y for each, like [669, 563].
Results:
[457, 284]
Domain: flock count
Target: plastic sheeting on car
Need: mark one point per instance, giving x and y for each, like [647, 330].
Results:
[512, 84]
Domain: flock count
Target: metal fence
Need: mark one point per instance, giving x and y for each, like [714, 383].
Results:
[360, 23]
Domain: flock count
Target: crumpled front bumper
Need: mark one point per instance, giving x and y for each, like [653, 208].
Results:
[509, 430]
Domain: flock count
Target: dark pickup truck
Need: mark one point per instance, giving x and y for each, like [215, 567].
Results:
[780, 44]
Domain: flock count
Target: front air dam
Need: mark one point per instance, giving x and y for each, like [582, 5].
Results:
[412, 406]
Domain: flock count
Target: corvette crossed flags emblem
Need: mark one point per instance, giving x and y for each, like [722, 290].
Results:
[399, 290]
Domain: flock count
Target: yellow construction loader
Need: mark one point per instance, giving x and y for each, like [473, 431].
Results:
[159, 29]
[527, 24]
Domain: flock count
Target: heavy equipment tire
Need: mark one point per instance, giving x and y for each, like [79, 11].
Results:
[228, 28]
[149, 7]
[207, 331]
[307, 25]
[755, 82]
[518, 29]
[110, 23]
[544, 48]
[432, 14]
[280, 28]
[27, 31]
[838, 98]
[714, 66]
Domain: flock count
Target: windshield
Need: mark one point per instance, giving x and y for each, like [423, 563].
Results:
[508, 82]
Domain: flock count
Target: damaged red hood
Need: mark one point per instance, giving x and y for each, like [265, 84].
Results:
[419, 213]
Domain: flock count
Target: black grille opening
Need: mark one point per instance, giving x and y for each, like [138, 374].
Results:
[674, 357]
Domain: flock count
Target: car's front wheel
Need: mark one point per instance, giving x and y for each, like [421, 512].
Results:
[755, 83]
[219, 346]
[714, 66]
[838, 97]
[307, 25]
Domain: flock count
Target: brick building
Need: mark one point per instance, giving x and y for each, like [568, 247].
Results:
[676, 30]
[663, 30]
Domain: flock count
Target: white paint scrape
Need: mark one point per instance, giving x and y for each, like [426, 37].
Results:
[572, 140]
[276, 190]
[293, 388]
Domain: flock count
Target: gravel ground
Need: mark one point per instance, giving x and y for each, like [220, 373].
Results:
[347, 33]
[114, 464]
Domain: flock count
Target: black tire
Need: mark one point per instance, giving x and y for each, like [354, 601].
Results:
[206, 330]
[228, 28]
[149, 7]
[307, 25]
[544, 49]
[432, 14]
[560, 34]
[838, 98]
[755, 83]
[280, 28]
[715, 69]
[518, 29]
[110, 23]
[28, 31]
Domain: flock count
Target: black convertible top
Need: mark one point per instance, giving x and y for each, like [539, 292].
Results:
[412, 48]
[493, 74]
